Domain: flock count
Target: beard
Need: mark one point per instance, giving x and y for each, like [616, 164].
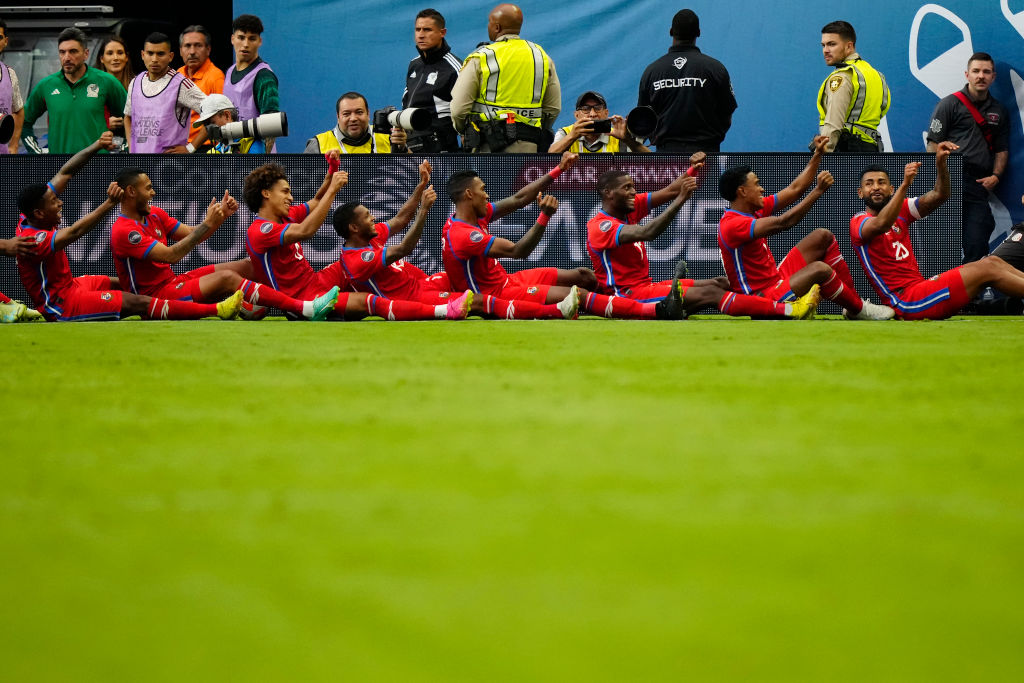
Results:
[876, 205]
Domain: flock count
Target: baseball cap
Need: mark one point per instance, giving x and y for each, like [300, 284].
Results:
[591, 95]
[212, 105]
[685, 25]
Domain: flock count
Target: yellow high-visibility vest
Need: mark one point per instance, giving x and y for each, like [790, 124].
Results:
[870, 101]
[578, 147]
[513, 79]
[378, 142]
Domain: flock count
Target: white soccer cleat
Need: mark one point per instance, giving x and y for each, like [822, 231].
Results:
[871, 311]
[570, 305]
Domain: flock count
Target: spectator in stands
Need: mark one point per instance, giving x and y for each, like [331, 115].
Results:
[353, 135]
[428, 84]
[690, 91]
[112, 57]
[160, 101]
[250, 82]
[77, 98]
[11, 101]
[219, 110]
[581, 137]
[195, 48]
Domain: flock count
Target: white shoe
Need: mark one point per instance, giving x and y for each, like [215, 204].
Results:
[871, 311]
[570, 305]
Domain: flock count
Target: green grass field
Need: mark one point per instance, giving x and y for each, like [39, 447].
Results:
[714, 500]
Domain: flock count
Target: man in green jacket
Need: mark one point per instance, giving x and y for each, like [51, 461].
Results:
[79, 98]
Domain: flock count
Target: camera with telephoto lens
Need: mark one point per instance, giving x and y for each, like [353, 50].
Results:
[411, 119]
[264, 126]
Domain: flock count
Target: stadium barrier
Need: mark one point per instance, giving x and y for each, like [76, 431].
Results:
[185, 184]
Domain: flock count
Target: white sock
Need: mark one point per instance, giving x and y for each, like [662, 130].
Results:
[307, 309]
[789, 310]
[441, 311]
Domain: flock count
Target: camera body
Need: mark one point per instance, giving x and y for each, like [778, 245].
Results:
[602, 126]
[411, 119]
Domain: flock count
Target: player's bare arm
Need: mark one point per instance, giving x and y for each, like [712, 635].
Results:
[75, 163]
[532, 191]
[412, 238]
[22, 245]
[935, 197]
[502, 248]
[333, 161]
[405, 214]
[671, 191]
[654, 228]
[876, 225]
[215, 215]
[770, 225]
[297, 232]
[89, 221]
[806, 178]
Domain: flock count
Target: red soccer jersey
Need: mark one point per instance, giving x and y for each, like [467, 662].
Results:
[367, 269]
[282, 266]
[748, 261]
[131, 241]
[45, 273]
[889, 259]
[619, 266]
[464, 247]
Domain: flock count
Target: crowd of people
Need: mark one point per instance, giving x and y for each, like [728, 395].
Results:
[504, 97]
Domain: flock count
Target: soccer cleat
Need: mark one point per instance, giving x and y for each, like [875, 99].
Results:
[325, 303]
[228, 309]
[31, 315]
[671, 307]
[12, 312]
[458, 308]
[570, 305]
[871, 311]
[682, 271]
[805, 307]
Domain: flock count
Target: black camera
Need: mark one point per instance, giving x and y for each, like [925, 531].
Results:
[602, 126]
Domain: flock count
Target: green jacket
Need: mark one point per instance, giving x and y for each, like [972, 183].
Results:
[78, 112]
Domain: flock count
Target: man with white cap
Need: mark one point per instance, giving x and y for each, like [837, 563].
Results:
[218, 110]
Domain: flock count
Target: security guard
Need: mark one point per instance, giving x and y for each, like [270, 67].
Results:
[854, 97]
[507, 95]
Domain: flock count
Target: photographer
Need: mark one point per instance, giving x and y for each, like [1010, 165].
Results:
[352, 135]
[218, 110]
[581, 137]
[429, 81]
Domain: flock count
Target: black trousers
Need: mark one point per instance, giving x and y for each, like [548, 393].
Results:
[978, 221]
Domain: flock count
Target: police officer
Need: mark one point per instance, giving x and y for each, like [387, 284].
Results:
[428, 84]
[853, 98]
[690, 91]
[507, 94]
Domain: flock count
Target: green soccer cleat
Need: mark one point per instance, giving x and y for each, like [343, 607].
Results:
[12, 312]
[229, 308]
[805, 307]
[324, 304]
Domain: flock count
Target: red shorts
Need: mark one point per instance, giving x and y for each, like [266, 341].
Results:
[529, 285]
[438, 281]
[185, 287]
[90, 298]
[934, 299]
[781, 291]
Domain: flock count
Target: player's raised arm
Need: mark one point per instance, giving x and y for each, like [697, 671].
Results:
[333, 164]
[215, 216]
[89, 221]
[75, 163]
[532, 191]
[876, 225]
[806, 178]
[405, 214]
[297, 232]
[940, 193]
[405, 247]
[654, 228]
[765, 227]
[672, 190]
[502, 248]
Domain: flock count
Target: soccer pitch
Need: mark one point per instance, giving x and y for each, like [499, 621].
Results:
[712, 500]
